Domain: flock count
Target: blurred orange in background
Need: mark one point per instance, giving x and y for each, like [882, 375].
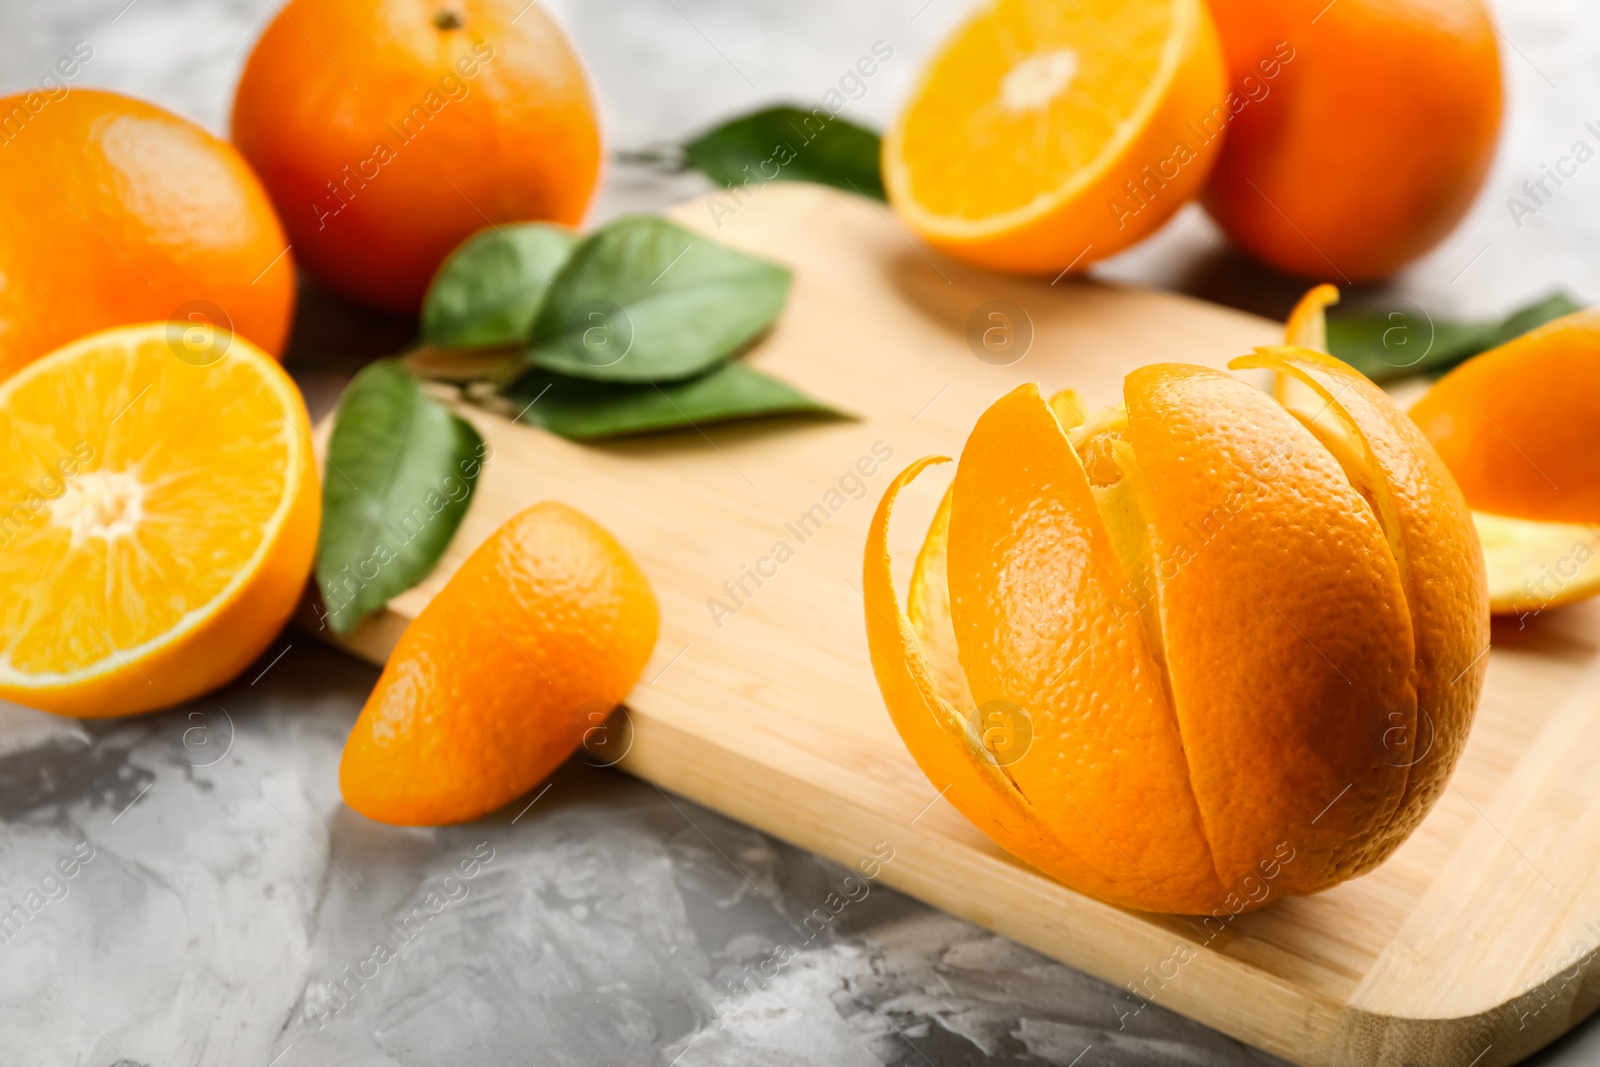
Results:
[1043, 137]
[121, 213]
[1363, 129]
[388, 133]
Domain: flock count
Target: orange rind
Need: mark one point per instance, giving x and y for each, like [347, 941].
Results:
[1196, 652]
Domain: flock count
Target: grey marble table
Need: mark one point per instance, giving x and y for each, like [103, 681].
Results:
[226, 908]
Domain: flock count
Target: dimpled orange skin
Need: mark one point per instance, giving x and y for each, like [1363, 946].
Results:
[543, 629]
[450, 115]
[1369, 144]
[1251, 728]
[121, 213]
[1517, 425]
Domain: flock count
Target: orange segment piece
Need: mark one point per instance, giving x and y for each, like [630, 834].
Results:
[1533, 566]
[532, 643]
[1050, 624]
[1517, 427]
[160, 517]
[1044, 135]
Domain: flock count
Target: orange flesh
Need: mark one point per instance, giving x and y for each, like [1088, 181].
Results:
[146, 510]
[1027, 98]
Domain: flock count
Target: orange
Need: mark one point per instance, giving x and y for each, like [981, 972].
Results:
[537, 637]
[1194, 653]
[1361, 129]
[1523, 454]
[118, 213]
[1519, 427]
[1045, 136]
[387, 133]
[160, 515]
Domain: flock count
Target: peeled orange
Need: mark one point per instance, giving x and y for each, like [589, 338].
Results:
[1044, 136]
[1197, 652]
[529, 646]
[160, 515]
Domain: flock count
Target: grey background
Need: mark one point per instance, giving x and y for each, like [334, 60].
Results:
[229, 888]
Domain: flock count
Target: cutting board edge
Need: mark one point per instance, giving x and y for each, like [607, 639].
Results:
[1353, 1035]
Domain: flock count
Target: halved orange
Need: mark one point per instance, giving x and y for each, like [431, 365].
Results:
[1517, 428]
[1044, 136]
[158, 515]
[1519, 425]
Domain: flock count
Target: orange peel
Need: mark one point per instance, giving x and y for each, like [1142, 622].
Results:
[1194, 653]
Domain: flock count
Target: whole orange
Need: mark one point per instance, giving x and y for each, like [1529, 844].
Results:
[1361, 131]
[387, 133]
[118, 212]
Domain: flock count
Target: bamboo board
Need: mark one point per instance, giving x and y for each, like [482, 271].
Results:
[1473, 945]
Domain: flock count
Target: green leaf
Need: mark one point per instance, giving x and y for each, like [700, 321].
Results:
[1535, 315]
[790, 144]
[646, 300]
[1387, 347]
[490, 289]
[588, 410]
[400, 473]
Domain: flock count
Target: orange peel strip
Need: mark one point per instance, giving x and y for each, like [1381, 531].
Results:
[1048, 620]
[1429, 530]
[1274, 670]
[939, 737]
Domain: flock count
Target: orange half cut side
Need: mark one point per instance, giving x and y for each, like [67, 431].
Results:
[161, 515]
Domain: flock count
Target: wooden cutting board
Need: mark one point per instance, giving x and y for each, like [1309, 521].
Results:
[1473, 945]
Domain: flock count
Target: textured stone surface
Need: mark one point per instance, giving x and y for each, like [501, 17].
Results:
[226, 908]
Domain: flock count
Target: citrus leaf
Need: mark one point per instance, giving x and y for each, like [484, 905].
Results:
[789, 144]
[489, 290]
[400, 473]
[646, 300]
[588, 410]
[1387, 347]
